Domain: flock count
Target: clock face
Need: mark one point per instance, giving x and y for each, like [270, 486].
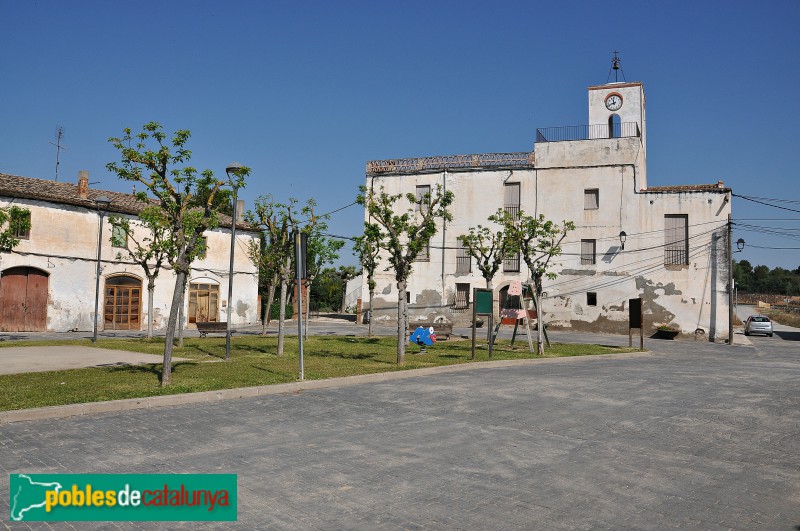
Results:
[614, 102]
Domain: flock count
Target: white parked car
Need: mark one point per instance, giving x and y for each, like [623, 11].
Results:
[758, 324]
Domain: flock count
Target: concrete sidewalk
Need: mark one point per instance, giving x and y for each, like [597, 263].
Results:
[17, 360]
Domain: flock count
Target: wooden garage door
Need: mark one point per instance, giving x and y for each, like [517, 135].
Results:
[23, 300]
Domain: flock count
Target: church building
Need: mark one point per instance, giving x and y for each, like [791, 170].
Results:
[668, 245]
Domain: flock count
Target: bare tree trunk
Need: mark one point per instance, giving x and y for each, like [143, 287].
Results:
[371, 315]
[268, 312]
[177, 302]
[402, 315]
[539, 317]
[273, 286]
[180, 320]
[151, 289]
[307, 301]
[282, 317]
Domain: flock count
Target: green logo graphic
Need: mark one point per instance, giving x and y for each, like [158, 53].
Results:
[122, 497]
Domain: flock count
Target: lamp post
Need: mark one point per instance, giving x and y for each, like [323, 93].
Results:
[102, 203]
[232, 168]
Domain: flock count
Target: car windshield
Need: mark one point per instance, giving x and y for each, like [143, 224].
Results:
[759, 319]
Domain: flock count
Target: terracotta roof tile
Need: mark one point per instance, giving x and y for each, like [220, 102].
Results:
[67, 194]
[719, 186]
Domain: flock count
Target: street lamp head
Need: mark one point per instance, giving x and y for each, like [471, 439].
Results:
[102, 202]
[740, 244]
[233, 167]
[622, 238]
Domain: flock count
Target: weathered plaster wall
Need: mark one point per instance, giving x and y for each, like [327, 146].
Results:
[63, 243]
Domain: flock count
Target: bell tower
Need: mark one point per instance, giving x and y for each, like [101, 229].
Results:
[617, 109]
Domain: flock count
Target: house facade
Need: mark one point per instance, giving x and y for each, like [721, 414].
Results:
[48, 282]
[668, 245]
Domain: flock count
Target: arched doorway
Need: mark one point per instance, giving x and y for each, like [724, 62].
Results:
[23, 300]
[203, 302]
[123, 303]
[614, 126]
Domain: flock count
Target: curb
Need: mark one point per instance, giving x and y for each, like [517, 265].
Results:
[112, 406]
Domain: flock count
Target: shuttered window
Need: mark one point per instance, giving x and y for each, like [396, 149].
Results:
[422, 191]
[462, 296]
[676, 239]
[511, 264]
[588, 252]
[591, 199]
[463, 259]
[511, 198]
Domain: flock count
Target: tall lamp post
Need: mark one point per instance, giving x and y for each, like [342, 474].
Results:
[232, 169]
[102, 203]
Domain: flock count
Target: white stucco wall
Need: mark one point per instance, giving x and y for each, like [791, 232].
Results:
[63, 243]
[691, 297]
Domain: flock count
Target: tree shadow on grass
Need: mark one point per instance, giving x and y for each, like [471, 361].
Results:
[152, 368]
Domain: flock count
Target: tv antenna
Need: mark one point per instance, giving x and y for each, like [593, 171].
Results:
[59, 147]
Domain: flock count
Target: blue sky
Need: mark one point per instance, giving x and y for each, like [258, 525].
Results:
[306, 92]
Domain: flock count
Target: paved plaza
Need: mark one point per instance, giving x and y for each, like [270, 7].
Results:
[691, 435]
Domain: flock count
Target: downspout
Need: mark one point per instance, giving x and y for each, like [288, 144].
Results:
[444, 240]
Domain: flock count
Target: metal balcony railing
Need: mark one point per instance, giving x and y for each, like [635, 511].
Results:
[587, 132]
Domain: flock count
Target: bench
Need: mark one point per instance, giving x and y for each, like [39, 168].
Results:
[212, 327]
[442, 330]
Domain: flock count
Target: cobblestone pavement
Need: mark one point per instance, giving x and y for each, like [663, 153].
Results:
[695, 435]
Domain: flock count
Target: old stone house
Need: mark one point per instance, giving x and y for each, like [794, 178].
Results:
[666, 244]
[47, 283]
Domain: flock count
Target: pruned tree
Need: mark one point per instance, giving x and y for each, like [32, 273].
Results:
[367, 248]
[404, 236]
[268, 254]
[346, 273]
[490, 247]
[538, 241]
[161, 166]
[148, 246]
[278, 221]
[321, 250]
[14, 221]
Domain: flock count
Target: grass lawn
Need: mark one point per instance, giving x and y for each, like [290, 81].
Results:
[253, 362]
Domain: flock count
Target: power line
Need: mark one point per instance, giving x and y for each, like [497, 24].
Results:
[763, 203]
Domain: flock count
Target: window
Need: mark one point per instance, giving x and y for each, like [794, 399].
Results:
[588, 252]
[462, 297]
[425, 254]
[676, 239]
[119, 236]
[591, 199]
[511, 264]
[422, 191]
[18, 232]
[463, 259]
[591, 298]
[511, 199]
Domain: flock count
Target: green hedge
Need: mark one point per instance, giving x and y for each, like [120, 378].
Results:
[275, 310]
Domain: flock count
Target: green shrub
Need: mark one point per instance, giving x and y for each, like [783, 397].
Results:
[275, 310]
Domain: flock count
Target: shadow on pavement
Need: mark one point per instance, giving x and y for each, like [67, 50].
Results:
[788, 336]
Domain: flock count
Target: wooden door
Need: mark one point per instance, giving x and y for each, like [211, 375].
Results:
[23, 300]
[122, 306]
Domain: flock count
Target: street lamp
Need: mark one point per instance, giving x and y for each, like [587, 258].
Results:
[740, 245]
[233, 168]
[622, 238]
[102, 203]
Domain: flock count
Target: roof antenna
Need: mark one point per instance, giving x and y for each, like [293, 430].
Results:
[59, 147]
[616, 68]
